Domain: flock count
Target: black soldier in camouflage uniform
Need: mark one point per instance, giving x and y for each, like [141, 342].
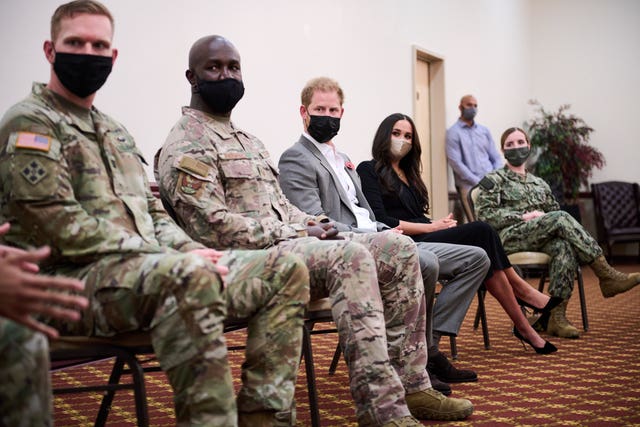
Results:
[223, 188]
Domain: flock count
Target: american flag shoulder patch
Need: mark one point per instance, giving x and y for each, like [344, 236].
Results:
[33, 141]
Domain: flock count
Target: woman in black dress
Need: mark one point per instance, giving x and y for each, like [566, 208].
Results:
[394, 189]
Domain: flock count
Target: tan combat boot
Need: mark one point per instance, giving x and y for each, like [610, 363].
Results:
[266, 419]
[559, 325]
[403, 422]
[432, 405]
[612, 281]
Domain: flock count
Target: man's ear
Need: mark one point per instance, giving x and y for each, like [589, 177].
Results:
[303, 112]
[49, 51]
[114, 55]
[191, 76]
[193, 81]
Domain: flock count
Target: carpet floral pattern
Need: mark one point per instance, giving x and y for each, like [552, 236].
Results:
[591, 381]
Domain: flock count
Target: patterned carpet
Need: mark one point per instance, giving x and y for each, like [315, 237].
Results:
[592, 381]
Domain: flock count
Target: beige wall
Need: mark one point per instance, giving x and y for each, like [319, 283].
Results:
[587, 53]
[584, 52]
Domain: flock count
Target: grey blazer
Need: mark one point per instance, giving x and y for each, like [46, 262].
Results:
[310, 183]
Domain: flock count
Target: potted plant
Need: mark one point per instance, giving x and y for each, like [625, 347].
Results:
[562, 155]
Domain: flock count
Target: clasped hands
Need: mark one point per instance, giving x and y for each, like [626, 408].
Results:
[444, 223]
[24, 293]
[528, 216]
[323, 230]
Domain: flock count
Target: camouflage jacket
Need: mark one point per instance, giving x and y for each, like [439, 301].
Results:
[72, 178]
[222, 185]
[511, 195]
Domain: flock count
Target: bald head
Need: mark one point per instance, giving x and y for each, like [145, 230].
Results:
[468, 108]
[468, 98]
[202, 49]
[214, 75]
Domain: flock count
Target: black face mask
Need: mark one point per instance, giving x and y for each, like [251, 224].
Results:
[220, 95]
[323, 128]
[82, 74]
[517, 156]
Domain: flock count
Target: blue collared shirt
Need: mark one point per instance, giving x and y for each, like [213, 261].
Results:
[471, 153]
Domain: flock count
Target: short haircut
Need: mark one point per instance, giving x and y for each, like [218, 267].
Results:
[323, 84]
[69, 10]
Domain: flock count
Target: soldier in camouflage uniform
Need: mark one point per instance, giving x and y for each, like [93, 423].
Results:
[72, 178]
[25, 395]
[223, 189]
[521, 207]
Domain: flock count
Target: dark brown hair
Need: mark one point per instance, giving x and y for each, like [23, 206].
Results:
[508, 132]
[410, 164]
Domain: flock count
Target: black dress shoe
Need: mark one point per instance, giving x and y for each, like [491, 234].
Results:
[438, 385]
[440, 366]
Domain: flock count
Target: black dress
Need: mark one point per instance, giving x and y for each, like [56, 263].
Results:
[405, 203]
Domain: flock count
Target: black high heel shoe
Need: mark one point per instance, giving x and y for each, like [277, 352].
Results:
[551, 304]
[547, 349]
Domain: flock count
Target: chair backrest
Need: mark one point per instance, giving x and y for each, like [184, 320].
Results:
[617, 205]
[472, 196]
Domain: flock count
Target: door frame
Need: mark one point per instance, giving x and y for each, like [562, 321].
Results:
[437, 182]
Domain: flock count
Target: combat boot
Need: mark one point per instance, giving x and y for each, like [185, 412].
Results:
[403, 422]
[266, 419]
[431, 405]
[612, 281]
[559, 325]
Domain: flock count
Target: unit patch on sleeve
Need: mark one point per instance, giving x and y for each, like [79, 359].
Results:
[33, 172]
[188, 184]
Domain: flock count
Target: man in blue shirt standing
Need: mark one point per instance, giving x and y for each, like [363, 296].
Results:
[470, 150]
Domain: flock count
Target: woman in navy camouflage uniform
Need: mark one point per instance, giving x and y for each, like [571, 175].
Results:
[528, 218]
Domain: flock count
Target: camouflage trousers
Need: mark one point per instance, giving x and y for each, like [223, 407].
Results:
[560, 236]
[25, 388]
[378, 305]
[181, 300]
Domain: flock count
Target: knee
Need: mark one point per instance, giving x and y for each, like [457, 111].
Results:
[478, 256]
[197, 276]
[401, 249]
[403, 242]
[429, 264]
[353, 249]
[555, 217]
[295, 276]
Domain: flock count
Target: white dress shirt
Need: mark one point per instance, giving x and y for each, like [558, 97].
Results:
[337, 162]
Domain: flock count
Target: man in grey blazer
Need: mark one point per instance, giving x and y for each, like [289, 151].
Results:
[322, 181]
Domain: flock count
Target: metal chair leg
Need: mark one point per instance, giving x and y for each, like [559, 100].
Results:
[583, 301]
[543, 278]
[483, 317]
[107, 398]
[335, 360]
[307, 353]
[454, 347]
[139, 390]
